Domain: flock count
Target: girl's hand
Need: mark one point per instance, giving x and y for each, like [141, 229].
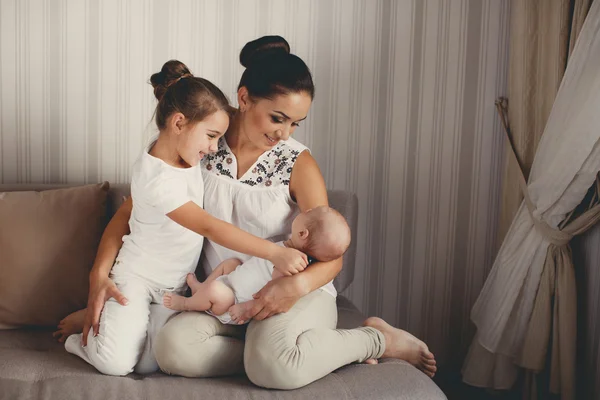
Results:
[289, 261]
[101, 289]
[276, 297]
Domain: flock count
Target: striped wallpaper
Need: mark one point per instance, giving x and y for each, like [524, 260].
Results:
[403, 116]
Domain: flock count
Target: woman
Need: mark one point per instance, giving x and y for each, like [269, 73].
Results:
[259, 179]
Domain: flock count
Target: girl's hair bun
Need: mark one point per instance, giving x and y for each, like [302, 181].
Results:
[171, 72]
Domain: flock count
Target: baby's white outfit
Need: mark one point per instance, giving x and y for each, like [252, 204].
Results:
[247, 279]
[155, 257]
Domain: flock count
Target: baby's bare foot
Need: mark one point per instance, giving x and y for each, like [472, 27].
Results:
[193, 283]
[404, 346]
[241, 313]
[71, 324]
[174, 302]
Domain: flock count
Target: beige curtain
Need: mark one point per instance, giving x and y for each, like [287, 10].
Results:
[542, 35]
[554, 314]
[559, 320]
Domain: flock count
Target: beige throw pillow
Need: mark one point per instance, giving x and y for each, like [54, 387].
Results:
[48, 242]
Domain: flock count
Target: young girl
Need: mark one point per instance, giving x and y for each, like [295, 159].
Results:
[168, 224]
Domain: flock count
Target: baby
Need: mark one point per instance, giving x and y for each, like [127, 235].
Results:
[321, 233]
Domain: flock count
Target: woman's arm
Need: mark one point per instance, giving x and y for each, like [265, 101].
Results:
[307, 188]
[193, 217]
[102, 287]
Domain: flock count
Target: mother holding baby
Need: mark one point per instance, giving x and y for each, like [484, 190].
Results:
[258, 180]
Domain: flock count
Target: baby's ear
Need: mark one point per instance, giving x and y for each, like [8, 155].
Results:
[303, 234]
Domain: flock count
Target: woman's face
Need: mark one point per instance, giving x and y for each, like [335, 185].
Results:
[265, 122]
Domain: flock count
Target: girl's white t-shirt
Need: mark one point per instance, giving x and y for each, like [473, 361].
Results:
[158, 248]
[258, 202]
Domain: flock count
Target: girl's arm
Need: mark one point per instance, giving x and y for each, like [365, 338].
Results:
[193, 217]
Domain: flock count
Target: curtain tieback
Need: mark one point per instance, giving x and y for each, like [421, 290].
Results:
[555, 236]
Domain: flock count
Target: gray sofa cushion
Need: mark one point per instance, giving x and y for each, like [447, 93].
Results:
[48, 242]
[34, 366]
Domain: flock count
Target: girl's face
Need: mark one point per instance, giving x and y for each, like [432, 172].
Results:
[265, 122]
[198, 139]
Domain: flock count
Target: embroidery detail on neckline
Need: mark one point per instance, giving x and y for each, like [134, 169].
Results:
[274, 167]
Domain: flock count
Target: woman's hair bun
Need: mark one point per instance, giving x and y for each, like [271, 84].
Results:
[170, 73]
[263, 47]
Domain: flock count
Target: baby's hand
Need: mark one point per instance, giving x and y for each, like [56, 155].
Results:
[289, 261]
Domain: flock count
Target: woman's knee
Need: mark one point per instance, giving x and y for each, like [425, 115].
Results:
[274, 369]
[170, 350]
[190, 345]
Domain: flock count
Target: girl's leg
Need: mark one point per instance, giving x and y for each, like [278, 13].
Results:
[120, 340]
[159, 315]
[197, 345]
[69, 325]
[293, 349]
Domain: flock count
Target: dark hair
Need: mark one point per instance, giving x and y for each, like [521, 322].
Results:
[271, 70]
[177, 90]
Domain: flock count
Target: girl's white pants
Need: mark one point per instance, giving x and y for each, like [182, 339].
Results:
[125, 336]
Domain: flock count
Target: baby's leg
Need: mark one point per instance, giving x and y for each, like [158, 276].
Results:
[276, 274]
[224, 268]
[118, 346]
[238, 311]
[214, 296]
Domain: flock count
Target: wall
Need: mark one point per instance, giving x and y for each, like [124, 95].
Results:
[404, 116]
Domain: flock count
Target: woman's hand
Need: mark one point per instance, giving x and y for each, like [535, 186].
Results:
[289, 261]
[276, 297]
[101, 289]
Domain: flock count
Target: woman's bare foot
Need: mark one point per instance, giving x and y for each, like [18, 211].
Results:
[193, 283]
[404, 346]
[71, 324]
[175, 302]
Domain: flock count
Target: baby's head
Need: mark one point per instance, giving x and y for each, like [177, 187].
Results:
[322, 233]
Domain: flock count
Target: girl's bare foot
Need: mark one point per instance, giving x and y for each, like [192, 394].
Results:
[174, 302]
[404, 346]
[193, 283]
[71, 324]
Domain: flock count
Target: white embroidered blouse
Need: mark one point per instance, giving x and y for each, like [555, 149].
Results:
[259, 202]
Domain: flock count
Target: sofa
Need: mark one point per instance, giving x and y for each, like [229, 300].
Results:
[33, 365]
